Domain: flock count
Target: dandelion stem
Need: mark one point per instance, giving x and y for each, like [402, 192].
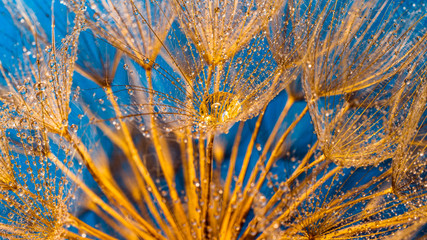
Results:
[211, 69]
[191, 189]
[218, 77]
[72, 236]
[207, 182]
[226, 218]
[238, 215]
[79, 224]
[203, 177]
[97, 200]
[165, 165]
[299, 200]
[102, 180]
[127, 234]
[234, 151]
[137, 163]
[300, 169]
[370, 226]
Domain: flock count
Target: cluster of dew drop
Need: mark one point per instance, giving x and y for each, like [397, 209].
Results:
[296, 209]
[35, 198]
[219, 108]
[35, 195]
[41, 91]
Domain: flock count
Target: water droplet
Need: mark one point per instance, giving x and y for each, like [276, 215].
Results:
[74, 128]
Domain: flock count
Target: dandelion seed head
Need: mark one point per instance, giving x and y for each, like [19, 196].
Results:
[221, 29]
[147, 131]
